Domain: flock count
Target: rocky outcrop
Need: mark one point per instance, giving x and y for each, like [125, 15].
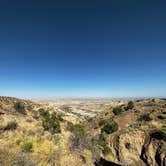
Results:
[139, 148]
[154, 150]
[128, 146]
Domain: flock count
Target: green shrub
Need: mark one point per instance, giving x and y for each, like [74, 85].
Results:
[104, 147]
[110, 127]
[130, 105]
[26, 146]
[117, 110]
[20, 107]
[51, 123]
[12, 125]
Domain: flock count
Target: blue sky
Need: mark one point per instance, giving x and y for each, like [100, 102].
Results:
[108, 48]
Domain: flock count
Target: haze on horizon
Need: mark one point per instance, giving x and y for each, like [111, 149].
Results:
[84, 48]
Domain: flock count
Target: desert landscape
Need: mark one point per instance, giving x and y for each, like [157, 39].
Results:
[84, 132]
[82, 83]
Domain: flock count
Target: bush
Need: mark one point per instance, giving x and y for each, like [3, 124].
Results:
[110, 127]
[26, 146]
[20, 107]
[130, 105]
[153, 100]
[117, 110]
[51, 123]
[12, 125]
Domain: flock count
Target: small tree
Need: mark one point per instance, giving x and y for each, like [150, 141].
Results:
[130, 105]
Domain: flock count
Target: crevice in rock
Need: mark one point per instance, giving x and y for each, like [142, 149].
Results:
[144, 150]
[116, 147]
[157, 156]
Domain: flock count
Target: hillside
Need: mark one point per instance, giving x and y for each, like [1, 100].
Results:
[82, 132]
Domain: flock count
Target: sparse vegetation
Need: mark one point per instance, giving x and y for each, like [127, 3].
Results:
[14, 158]
[135, 125]
[78, 139]
[104, 147]
[102, 143]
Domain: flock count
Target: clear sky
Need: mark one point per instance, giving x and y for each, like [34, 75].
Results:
[83, 48]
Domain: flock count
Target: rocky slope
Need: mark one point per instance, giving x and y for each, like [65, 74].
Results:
[84, 133]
